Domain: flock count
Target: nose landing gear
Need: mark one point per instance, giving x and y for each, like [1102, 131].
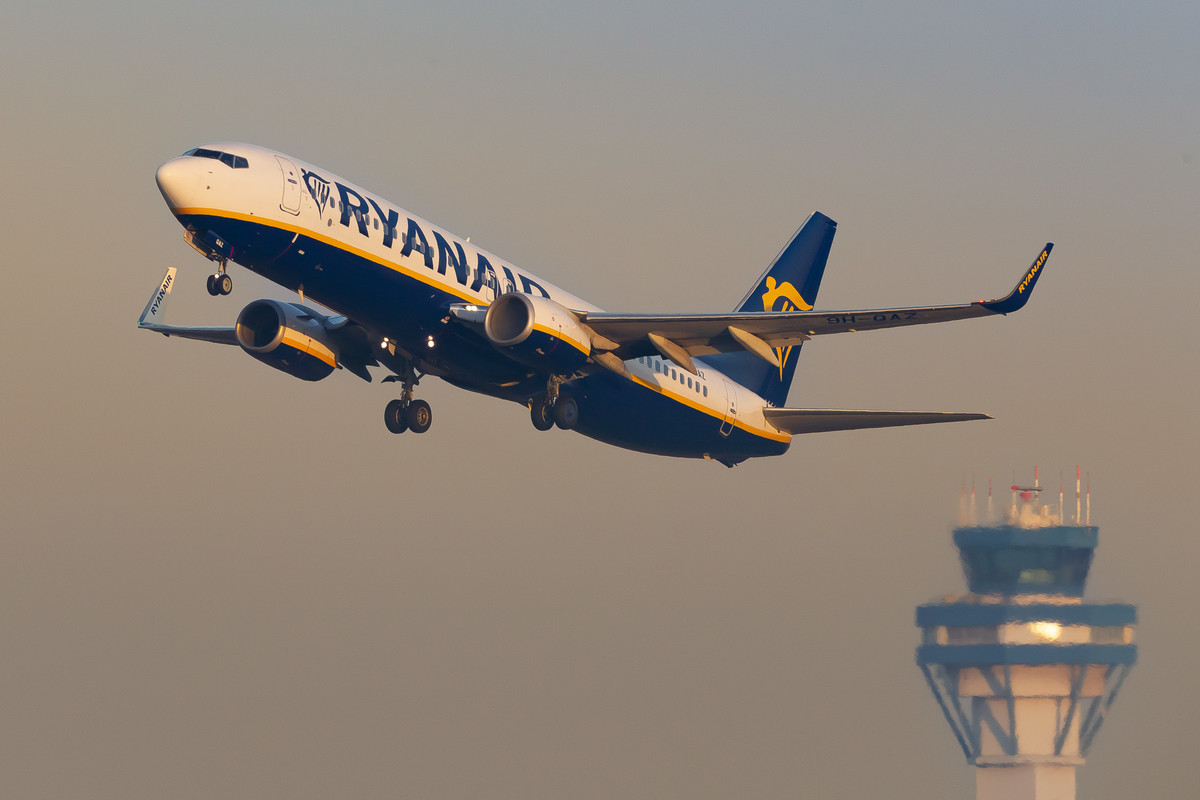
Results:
[220, 283]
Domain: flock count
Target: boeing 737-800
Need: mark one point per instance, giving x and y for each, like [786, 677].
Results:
[416, 300]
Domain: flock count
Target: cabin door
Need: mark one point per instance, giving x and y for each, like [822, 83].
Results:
[291, 186]
[730, 407]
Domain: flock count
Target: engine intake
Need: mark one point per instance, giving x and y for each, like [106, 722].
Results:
[537, 331]
[289, 337]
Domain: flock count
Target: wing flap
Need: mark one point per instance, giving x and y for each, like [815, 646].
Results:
[813, 420]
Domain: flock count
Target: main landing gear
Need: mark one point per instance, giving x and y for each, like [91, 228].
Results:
[405, 413]
[554, 408]
[415, 416]
[220, 282]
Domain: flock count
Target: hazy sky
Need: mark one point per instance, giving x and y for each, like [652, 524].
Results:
[219, 581]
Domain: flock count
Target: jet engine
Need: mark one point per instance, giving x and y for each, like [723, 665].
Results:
[537, 331]
[289, 337]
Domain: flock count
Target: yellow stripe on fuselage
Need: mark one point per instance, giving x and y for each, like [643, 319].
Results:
[423, 277]
[419, 275]
[712, 412]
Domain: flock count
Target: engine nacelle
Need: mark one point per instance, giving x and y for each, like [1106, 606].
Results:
[537, 331]
[288, 337]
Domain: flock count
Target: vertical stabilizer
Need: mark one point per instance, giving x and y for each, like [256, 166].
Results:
[789, 284]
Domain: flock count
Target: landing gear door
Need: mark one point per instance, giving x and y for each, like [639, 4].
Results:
[730, 407]
[291, 186]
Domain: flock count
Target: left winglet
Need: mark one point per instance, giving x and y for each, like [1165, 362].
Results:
[1020, 294]
[156, 309]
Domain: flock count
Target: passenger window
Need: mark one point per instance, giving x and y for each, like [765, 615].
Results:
[377, 224]
[673, 375]
[689, 380]
[706, 391]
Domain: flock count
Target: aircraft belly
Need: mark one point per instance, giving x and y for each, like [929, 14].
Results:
[615, 410]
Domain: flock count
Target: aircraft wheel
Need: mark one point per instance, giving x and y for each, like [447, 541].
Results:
[420, 416]
[212, 286]
[223, 282]
[566, 413]
[394, 417]
[541, 414]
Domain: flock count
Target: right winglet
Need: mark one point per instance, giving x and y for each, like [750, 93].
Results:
[1020, 294]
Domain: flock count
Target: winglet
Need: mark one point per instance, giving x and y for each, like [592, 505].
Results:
[1019, 296]
[156, 307]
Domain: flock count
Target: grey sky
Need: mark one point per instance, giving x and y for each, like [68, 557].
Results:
[216, 580]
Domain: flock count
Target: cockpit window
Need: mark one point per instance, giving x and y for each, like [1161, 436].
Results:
[228, 159]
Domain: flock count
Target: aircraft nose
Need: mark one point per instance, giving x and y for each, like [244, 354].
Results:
[179, 181]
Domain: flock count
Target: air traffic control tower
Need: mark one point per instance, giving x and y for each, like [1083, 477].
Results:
[1022, 668]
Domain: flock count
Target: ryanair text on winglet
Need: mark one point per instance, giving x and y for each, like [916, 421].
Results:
[1037, 265]
[162, 293]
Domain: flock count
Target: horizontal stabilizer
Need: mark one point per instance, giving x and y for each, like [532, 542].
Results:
[818, 420]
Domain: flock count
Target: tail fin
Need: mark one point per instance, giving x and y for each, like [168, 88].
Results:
[789, 284]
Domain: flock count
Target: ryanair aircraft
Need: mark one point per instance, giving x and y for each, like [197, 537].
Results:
[416, 300]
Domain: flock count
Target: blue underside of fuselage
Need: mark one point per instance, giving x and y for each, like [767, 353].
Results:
[612, 409]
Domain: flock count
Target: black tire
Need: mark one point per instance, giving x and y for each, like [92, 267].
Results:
[566, 413]
[394, 417]
[541, 414]
[224, 283]
[212, 286]
[420, 416]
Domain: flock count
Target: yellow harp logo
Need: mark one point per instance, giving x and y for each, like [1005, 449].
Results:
[792, 301]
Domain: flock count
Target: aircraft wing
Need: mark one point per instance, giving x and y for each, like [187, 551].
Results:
[152, 317]
[811, 420]
[761, 333]
[351, 342]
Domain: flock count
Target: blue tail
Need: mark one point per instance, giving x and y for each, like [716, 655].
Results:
[789, 284]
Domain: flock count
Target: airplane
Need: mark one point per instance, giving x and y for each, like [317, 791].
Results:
[416, 300]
